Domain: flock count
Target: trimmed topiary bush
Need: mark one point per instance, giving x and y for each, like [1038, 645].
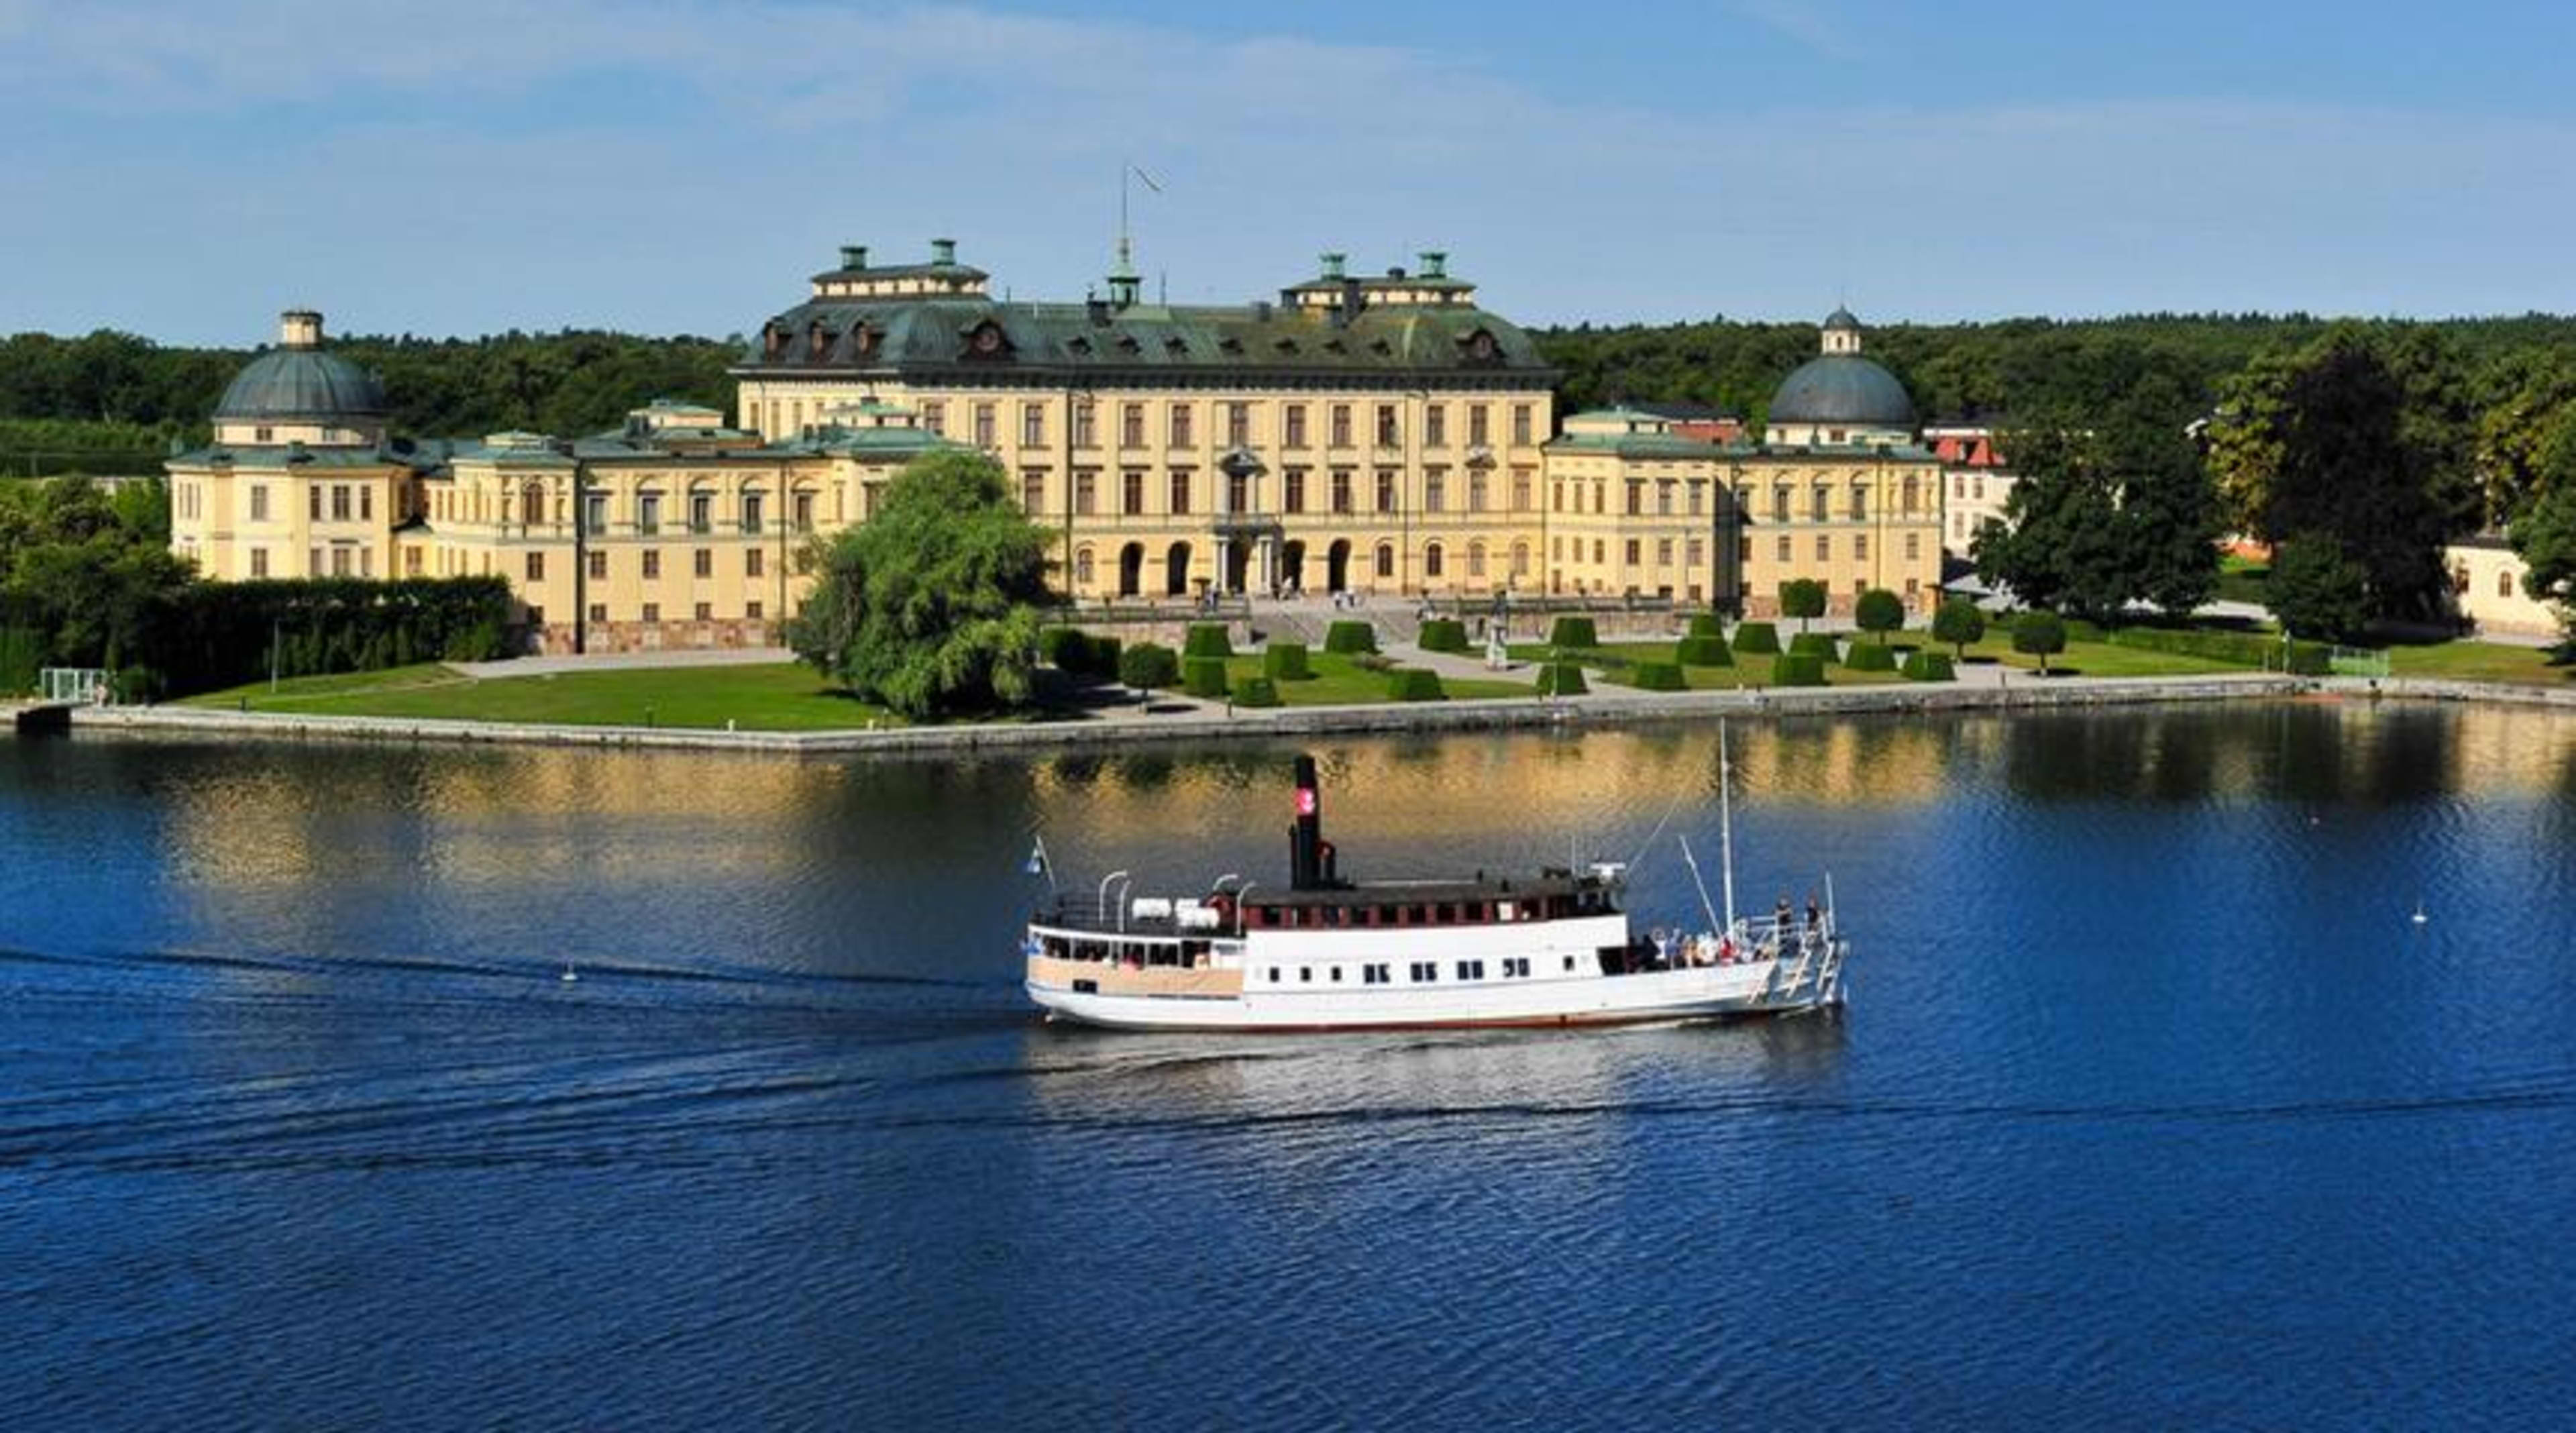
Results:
[1286, 662]
[1930, 667]
[1870, 657]
[1204, 677]
[1414, 684]
[1149, 664]
[1573, 632]
[1561, 679]
[1819, 645]
[1757, 639]
[1101, 657]
[1797, 669]
[1699, 651]
[1064, 647]
[1657, 677]
[1256, 692]
[1350, 637]
[1443, 634]
[1706, 624]
[1207, 639]
[1879, 612]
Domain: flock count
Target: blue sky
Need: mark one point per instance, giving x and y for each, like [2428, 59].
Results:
[465, 166]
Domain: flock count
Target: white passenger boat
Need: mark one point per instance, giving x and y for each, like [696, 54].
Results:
[1556, 948]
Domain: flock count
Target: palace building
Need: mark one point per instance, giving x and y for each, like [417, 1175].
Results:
[1383, 434]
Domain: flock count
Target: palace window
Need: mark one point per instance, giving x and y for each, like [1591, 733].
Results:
[1385, 560]
[1238, 425]
[1084, 482]
[1388, 434]
[1342, 491]
[1238, 492]
[702, 512]
[1340, 435]
[1296, 426]
[702, 562]
[599, 612]
[339, 502]
[1386, 490]
[752, 514]
[1824, 547]
[801, 510]
[1431, 560]
[1860, 502]
[1082, 566]
[1032, 425]
[1692, 554]
[1292, 490]
[648, 513]
[1435, 490]
[1663, 552]
[1860, 547]
[752, 564]
[594, 513]
[705, 611]
[1476, 492]
[1180, 430]
[1664, 499]
[1782, 554]
[1913, 493]
[751, 610]
[934, 416]
[1475, 559]
[1779, 502]
[652, 563]
[1633, 555]
[1086, 426]
[1180, 491]
[984, 425]
[1698, 497]
[598, 566]
[1913, 546]
[1033, 490]
[652, 611]
[1131, 492]
[1131, 425]
[1816, 501]
[1520, 490]
[1435, 426]
[1522, 416]
[1479, 426]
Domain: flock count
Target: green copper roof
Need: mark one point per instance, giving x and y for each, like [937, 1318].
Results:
[302, 384]
[1842, 388]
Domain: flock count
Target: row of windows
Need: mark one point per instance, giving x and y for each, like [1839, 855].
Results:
[1782, 549]
[1232, 423]
[331, 502]
[1296, 493]
[702, 563]
[1420, 972]
[1692, 495]
[652, 612]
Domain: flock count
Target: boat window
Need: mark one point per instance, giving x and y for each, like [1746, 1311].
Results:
[1332, 915]
[1274, 975]
[1471, 970]
[1569, 962]
[1424, 972]
[1386, 915]
[1416, 915]
[1337, 975]
[1444, 913]
[1305, 975]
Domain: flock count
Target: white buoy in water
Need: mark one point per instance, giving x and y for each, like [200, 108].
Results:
[569, 974]
[2420, 917]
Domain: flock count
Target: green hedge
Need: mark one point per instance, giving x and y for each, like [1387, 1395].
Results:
[1149, 664]
[1286, 662]
[1870, 657]
[1207, 639]
[1573, 632]
[1819, 645]
[1561, 679]
[1100, 658]
[1707, 624]
[1256, 692]
[1350, 637]
[1204, 677]
[2249, 649]
[1757, 639]
[209, 635]
[1797, 669]
[1930, 667]
[22, 659]
[1703, 651]
[1414, 684]
[1071, 649]
[1657, 677]
[1443, 634]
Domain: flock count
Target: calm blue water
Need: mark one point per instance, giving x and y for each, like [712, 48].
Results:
[2152, 1108]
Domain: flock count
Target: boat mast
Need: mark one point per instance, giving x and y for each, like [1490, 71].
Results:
[1726, 825]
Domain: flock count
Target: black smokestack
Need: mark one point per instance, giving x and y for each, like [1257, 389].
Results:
[1306, 837]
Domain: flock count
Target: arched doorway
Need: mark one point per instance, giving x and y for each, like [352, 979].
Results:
[1176, 570]
[1131, 569]
[1292, 566]
[1238, 564]
[1337, 566]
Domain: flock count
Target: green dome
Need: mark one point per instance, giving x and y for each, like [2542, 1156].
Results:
[1843, 388]
[302, 385]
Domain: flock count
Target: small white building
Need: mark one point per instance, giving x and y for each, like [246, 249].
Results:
[2490, 588]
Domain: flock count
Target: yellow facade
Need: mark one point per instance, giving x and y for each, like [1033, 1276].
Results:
[1379, 435]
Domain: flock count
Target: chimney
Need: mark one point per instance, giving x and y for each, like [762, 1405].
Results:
[299, 328]
[1332, 266]
[1306, 837]
[943, 251]
[854, 256]
[1435, 263]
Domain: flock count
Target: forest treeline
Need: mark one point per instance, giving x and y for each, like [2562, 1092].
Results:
[113, 402]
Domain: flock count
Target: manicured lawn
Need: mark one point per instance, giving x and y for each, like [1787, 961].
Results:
[1340, 681]
[2480, 662]
[772, 697]
[2098, 659]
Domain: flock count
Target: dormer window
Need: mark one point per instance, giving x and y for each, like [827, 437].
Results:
[773, 341]
[986, 340]
[1479, 347]
[1078, 344]
[1127, 344]
[1287, 345]
[1382, 348]
[1335, 345]
[1176, 346]
[1230, 344]
[818, 342]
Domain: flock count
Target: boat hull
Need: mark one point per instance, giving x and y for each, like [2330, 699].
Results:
[1646, 998]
